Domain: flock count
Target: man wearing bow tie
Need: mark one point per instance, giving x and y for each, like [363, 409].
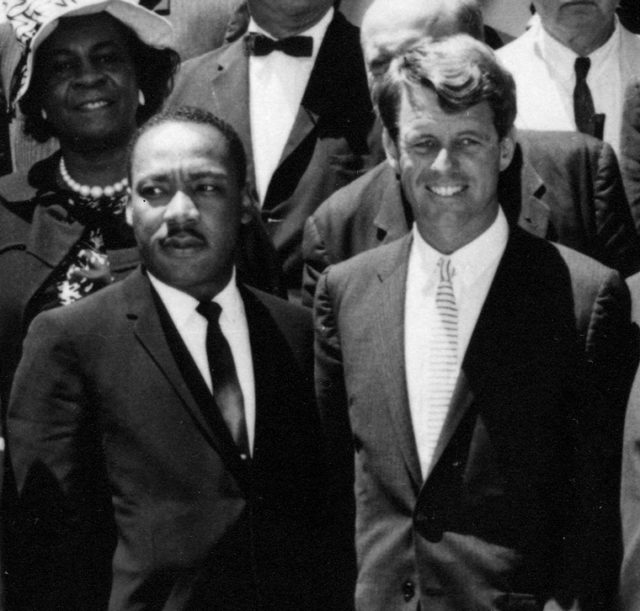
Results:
[295, 90]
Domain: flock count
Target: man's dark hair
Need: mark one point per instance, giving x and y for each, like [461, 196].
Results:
[155, 70]
[460, 70]
[197, 116]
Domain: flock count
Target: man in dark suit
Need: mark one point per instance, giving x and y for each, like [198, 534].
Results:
[562, 186]
[305, 119]
[463, 363]
[167, 456]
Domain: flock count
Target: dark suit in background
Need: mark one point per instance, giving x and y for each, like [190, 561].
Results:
[110, 410]
[331, 141]
[495, 524]
[563, 187]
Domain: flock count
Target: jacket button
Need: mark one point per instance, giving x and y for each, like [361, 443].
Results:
[408, 590]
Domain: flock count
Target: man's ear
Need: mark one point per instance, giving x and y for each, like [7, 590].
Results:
[507, 149]
[249, 207]
[128, 212]
[391, 151]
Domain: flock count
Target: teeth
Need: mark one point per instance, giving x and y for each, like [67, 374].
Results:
[446, 191]
[94, 105]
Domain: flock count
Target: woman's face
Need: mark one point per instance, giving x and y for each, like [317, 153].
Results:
[90, 89]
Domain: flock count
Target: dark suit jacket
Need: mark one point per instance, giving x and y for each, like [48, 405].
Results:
[118, 460]
[332, 141]
[562, 186]
[37, 233]
[630, 488]
[522, 467]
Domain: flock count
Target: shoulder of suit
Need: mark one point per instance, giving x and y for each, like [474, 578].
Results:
[361, 266]
[586, 269]
[550, 145]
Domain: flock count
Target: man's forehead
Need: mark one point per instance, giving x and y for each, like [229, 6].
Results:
[421, 105]
[180, 145]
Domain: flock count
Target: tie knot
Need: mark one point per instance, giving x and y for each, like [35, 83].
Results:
[447, 270]
[582, 66]
[296, 46]
[210, 310]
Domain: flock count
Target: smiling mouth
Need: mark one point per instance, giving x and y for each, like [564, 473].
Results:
[93, 105]
[446, 191]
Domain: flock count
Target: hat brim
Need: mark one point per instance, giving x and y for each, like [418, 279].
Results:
[151, 28]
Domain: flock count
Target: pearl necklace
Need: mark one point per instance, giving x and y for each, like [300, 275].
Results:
[96, 192]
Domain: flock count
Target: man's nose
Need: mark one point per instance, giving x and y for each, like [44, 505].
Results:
[181, 208]
[443, 161]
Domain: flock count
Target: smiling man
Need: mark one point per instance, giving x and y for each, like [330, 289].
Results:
[577, 59]
[174, 412]
[451, 362]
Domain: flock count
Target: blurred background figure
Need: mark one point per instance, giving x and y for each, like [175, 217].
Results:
[579, 59]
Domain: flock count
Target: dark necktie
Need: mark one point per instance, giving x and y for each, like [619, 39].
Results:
[296, 46]
[587, 121]
[224, 379]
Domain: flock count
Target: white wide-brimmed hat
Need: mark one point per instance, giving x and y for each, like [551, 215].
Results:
[34, 20]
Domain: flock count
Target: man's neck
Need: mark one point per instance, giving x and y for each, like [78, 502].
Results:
[582, 42]
[279, 25]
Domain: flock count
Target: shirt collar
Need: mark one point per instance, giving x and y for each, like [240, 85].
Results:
[181, 306]
[562, 58]
[473, 258]
[316, 31]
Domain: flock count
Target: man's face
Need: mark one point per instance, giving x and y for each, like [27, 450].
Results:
[566, 18]
[90, 89]
[185, 206]
[448, 165]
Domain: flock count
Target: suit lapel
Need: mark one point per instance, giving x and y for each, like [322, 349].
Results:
[520, 192]
[230, 91]
[389, 339]
[50, 240]
[142, 312]
[534, 213]
[391, 219]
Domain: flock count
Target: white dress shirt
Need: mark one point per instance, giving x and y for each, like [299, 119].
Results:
[544, 72]
[475, 266]
[277, 82]
[192, 328]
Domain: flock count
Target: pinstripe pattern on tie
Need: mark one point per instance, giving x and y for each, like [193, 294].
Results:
[443, 358]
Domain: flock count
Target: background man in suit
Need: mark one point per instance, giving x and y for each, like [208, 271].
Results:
[453, 362]
[150, 435]
[578, 58]
[301, 108]
[564, 187]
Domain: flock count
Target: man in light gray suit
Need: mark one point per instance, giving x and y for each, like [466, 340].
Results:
[465, 365]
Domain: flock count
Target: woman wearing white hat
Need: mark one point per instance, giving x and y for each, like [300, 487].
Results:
[92, 70]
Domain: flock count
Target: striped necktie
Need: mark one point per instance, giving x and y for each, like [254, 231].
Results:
[442, 360]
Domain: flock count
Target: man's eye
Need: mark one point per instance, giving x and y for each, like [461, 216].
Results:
[209, 188]
[468, 142]
[150, 191]
[425, 145]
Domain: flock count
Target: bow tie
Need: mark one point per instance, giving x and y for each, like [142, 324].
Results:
[296, 46]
